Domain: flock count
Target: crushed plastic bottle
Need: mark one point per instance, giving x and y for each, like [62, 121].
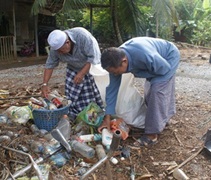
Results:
[60, 159]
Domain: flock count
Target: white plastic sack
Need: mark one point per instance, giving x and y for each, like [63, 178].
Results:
[130, 104]
[101, 78]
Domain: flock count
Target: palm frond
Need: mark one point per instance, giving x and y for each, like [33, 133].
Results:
[133, 23]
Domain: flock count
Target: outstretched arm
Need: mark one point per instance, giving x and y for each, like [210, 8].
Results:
[46, 78]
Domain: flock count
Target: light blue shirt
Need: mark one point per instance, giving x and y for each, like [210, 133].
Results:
[151, 58]
[86, 49]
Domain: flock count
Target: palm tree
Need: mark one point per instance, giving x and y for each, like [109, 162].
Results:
[165, 12]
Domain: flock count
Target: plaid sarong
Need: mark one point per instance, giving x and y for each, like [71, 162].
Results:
[81, 94]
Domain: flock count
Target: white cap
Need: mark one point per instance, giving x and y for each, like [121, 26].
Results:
[114, 160]
[56, 39]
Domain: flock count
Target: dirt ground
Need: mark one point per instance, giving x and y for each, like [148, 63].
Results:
[181, 144]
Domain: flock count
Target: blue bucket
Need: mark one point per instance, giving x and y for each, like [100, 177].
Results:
[48, 119]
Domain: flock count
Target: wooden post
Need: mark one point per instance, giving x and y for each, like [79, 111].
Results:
[14, 30]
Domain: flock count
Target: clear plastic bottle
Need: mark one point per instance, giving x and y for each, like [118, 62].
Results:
[37, 147]
[82, 148]
[180, 175]
[34, 129]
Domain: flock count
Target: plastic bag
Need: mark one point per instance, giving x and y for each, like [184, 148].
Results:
[101, 79]
[19, 114]
[91, 115]
[130, 104]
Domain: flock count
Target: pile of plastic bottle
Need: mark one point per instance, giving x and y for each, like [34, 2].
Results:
[54, 101]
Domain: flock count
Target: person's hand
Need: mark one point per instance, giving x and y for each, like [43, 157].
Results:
[78, 78]
[45, 91]
[105, 124]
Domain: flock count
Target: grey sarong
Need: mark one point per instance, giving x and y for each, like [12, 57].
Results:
[160, 101]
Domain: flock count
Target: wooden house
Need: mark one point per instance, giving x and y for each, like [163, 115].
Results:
[18, 27]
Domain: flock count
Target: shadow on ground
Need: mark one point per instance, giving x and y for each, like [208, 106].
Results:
[22, 62]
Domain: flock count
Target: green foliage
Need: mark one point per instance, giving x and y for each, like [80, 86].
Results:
[194, 16]
[69, 19]
[102, 25]
[202, 34]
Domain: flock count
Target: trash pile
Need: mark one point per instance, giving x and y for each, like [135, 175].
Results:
[63, 149]
[32, 151]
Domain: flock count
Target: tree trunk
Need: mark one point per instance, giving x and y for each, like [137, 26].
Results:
[157, 27]
[113, 5]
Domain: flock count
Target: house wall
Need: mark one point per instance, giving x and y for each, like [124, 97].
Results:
[24, 23]
[24, 20]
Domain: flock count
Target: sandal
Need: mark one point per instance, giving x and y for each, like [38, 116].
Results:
[144, 141]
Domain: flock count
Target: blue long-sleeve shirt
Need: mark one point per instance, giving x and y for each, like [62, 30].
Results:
[151, 58]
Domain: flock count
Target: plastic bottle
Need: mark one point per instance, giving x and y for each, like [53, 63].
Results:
[48, 104]
[82, 148]
[179, 174]
[36, 101]
[59, 159]
[90, 137]
[51, 146]
[101, 154]
[55, 100]
[34, 129]
[106, 138]
[45, 104]
[4, 138]
[62, 99]
[35, 106]
[3, 118]
[36, 146]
